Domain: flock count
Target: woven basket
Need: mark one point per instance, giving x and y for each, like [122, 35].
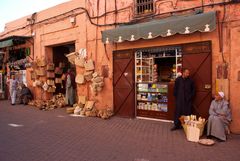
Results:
[71, 57]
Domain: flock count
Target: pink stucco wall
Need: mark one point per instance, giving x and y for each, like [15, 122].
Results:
[50, 30]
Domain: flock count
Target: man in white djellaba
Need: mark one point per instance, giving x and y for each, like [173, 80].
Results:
[219, 118]
[13, 89]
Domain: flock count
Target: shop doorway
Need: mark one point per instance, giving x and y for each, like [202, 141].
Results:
[123, 83]
[59, 53]
[155, 72]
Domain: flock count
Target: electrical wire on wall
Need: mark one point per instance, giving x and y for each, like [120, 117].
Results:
[105, 19]
[221, 33]
[96, 37]
[203, 5]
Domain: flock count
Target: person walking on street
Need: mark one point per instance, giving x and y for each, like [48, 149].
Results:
[13, 89]
[184, 92]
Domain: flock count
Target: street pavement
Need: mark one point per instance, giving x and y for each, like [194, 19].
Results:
[28, 134]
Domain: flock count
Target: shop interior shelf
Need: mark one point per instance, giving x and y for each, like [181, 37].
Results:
[143, 66]
[144, 74]
[161, 83]
[178, 56]
[152, 92]
[152, 101]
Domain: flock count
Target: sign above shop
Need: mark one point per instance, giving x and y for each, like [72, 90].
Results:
[187, 24]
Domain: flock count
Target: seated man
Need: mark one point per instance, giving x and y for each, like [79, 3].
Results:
[26, 95]
[220, 117]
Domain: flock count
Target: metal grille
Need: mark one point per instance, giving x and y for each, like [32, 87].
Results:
[144, 6]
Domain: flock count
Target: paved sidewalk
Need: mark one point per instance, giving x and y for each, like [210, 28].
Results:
[28, 134]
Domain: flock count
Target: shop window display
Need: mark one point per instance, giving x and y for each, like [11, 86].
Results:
[155, 70]
[17, 63]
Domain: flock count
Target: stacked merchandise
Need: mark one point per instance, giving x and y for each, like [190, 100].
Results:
[152, 96]
[97, 83]
[90, 75]
[193, 127]
[84, 107]
[50, 77]
[87, 108]
[58, 101]
[46, 75]
[155, 73]
[59, 74]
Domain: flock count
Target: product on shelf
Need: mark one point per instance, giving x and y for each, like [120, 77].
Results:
[152, 96]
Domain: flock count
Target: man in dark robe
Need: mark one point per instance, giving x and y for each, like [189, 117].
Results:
[184, 92]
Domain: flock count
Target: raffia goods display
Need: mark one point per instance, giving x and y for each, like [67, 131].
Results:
[99, 89]
[97, 79]
[79, 62]
[33, 75]
[93, 89]
[90, 110]
[31, 103]
[89, 65]
[105, 113]
[61, 65]
[50, 66]
[193, 127]
[100, 84]
[50, 82]
[97, 83]
[58, 101]
[82, 113]
[95, 74]
[41, 63]
[34, 84]
[41, 72]
[82, 100]
[51, 89]
[34, 65]
[79, 79]
[70, 110]
[89, 105]
[45, 86]
[58, 80]
[58, 70]
[91, 113]
[71, 57]
[78, 109]
[88, 76]
[50, 74]
[38, 83]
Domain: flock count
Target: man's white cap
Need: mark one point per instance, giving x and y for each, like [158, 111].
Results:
[221, 94]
